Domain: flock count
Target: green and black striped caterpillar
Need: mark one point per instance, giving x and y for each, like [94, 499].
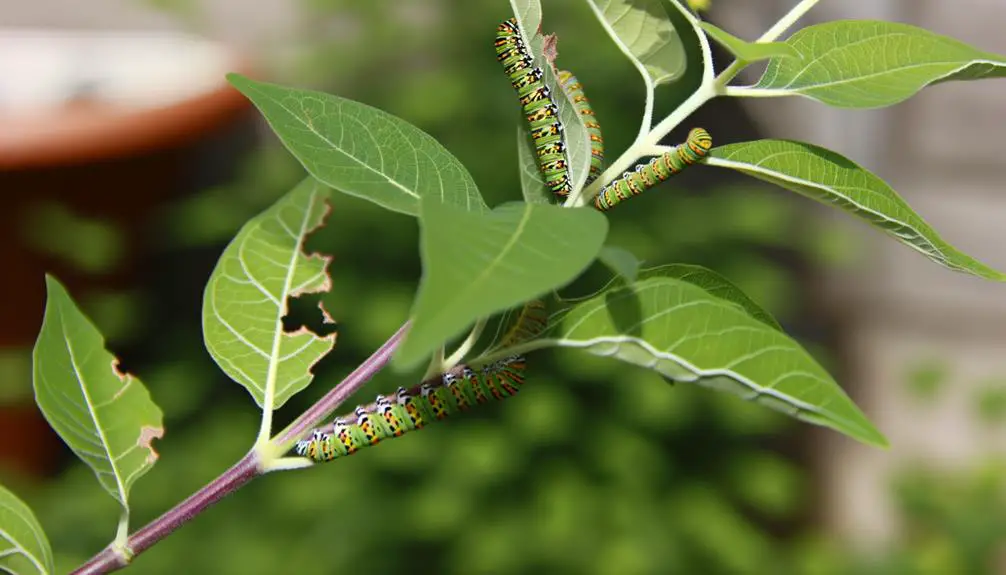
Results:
[431, 400]
[538, 106]
[658, 169]
[575, 90]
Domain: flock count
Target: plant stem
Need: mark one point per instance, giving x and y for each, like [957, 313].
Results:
[333, 399]
[108, 560]
[249, 467]
[707, 90]
[465, 347]
[770, 35]
[647, 122]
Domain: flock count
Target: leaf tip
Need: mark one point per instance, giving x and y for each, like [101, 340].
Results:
[234, 78]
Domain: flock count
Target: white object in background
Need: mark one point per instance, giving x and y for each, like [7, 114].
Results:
[42, 69]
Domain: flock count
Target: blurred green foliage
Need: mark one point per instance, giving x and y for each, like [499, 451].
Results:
[595, 468]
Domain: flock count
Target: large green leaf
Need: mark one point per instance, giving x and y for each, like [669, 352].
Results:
[690, 335]
[869, 64]
[529, 18]
[361, 150]
[475, 265]
[23, 546]
[246, 299]
[643, 31]
[715, 285]
[832, 179]
[105, 416]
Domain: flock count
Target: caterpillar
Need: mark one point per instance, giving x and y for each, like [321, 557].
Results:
[574, 88]
[434, 399]
[651, 173]
[538, 106]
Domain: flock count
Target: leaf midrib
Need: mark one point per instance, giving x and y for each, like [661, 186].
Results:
[310, 127]
[269, 393]
[511, 242]
[90, 408]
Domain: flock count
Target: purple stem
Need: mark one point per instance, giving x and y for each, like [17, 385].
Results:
[243, 471]
[340, 393]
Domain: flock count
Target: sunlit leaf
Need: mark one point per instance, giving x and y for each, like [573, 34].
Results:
[832, 179]
[870, 64]
[475, 265]
[24, 547]
[246, 299]
[362, 151]
[642, 28]
[105, 416]
[690, 335]
[714, 284]
[749, 51]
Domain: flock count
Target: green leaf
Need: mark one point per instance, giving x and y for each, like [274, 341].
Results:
[476, 265]
[532, 186]
[714, 284]
[246, 299]
[689, 335]
[362, 151]
[832, 179]
[23, 546]
[621, 261]
[105, 416]
[528, 14]
[749, 51]
[642, 29]
[870, 64]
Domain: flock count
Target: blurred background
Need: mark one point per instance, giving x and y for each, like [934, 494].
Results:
[127, 163]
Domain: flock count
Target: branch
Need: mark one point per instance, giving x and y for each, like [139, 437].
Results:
[248, 468]
[333, 399]
[230, 481]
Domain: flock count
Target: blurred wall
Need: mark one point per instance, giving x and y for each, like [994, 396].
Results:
[942, 151]
[226, 20]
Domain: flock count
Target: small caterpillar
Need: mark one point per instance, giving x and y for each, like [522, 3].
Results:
[538, 106]
[454, 391]
[651, 173]
[575, 90]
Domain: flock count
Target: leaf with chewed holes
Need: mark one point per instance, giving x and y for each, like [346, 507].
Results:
[105, 416]
[246, 299]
